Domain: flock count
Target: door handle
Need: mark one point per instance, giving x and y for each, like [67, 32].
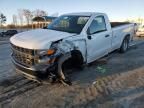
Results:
[107, 36]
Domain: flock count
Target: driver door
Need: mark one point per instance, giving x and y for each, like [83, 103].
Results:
[99, 39]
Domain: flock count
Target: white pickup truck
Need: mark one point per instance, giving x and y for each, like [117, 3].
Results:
[69, 41]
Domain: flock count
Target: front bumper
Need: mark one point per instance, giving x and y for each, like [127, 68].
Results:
[40, 71]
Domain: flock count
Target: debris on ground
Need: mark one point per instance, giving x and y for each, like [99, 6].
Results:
[101, 69]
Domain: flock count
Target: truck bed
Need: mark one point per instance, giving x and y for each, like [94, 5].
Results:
[120, 30]
[116, 24]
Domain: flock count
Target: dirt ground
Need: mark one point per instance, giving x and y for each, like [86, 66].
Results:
[115, 83]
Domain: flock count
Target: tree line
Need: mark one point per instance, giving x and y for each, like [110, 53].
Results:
[23, 17]
[2, 19]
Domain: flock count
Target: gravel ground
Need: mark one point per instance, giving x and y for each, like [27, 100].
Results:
[113, 82]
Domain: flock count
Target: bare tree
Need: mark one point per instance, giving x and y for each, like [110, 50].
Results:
[14, 20]
[140, 20]
[2, 19]
[20, 14]
[39, 13]
[28, 15]
[43, 13]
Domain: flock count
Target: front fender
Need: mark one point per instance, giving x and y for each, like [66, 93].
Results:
[68, 45]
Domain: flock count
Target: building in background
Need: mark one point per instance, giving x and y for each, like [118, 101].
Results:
[40, 22]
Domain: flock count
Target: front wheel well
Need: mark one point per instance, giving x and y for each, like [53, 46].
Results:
[77, 57]
[76, 60]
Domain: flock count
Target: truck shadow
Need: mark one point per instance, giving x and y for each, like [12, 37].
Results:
[115, 63]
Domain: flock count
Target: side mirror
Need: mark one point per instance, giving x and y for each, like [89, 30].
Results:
[89, 34]
[88, 31]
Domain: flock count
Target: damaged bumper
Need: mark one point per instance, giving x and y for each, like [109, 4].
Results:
[37, 72]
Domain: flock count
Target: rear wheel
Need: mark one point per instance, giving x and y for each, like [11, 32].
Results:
[125, 45]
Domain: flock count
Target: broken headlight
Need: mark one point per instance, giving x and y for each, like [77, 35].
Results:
[43, 56]
[46, 52]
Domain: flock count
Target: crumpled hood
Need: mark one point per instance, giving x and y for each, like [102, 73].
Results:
[38, 39]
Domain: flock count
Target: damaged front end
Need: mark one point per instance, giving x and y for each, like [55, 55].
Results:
[48, 63]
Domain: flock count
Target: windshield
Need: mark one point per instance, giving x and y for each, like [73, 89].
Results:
[71, 24]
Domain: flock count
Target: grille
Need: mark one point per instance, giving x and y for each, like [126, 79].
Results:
[26, 57]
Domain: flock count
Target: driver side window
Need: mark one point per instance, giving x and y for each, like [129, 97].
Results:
[97, 25]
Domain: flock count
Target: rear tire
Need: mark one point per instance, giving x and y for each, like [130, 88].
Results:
[125, 45]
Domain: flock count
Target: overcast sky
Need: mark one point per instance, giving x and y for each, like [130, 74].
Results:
[116, 9]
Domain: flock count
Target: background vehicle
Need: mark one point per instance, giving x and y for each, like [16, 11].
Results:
[10, 32]
[70, 41]
[140, 31]
[1, 34]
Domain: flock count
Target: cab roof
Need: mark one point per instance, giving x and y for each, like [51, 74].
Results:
[84, 13]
